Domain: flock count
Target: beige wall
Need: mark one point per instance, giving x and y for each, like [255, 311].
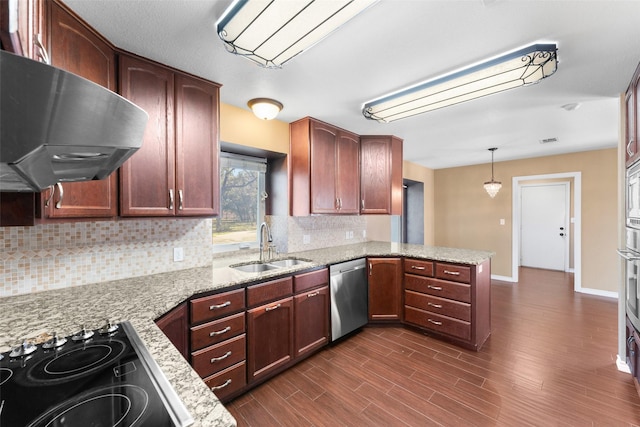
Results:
[465, 216]
[419, 173]
[240, 126]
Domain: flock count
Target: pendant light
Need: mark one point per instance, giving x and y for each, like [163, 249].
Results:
[492, 186]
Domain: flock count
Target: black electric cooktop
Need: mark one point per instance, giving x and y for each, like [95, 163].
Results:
[95, 378]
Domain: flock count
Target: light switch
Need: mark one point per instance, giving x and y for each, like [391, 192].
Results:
[502, 221]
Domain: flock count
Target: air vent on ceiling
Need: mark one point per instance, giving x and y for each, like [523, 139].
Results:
[548, 140]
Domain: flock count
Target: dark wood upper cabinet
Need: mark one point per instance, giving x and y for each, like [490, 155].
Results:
[175, 173]
[197, 147]
[632, 107]
[147, 179]
[75, 47]
[380, 175]
[324, 165]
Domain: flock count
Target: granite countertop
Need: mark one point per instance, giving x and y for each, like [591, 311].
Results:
[140, 300]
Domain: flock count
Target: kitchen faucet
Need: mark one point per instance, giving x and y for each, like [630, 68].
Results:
[264, 226]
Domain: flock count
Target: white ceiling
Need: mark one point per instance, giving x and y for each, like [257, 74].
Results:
[400, 42]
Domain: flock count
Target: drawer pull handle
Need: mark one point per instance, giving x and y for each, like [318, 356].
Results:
[273, 308]
[217, 359]
[223, 305]
[220, 332]
[313, 294]
[434, 305]
[453, 273]
[435, 288]
[223, 385]
[417, 267]
[435, 322]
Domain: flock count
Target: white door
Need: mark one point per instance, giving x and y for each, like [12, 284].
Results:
[544, 226]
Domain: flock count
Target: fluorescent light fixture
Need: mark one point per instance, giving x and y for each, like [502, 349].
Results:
[514, 69]
[265, 108]
[271, 32]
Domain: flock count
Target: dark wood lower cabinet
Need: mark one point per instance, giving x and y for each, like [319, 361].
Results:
[385, 289]
[269, 338]
[311, 312]
[175, 325]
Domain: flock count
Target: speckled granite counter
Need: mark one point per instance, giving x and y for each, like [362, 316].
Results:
[141, 300]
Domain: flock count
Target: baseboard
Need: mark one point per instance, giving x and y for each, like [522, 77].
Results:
[503, 278]
[622, 365]
[598, 292]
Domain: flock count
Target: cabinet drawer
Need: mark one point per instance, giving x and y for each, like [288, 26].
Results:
[457, 273]
[217, 331]
[217, 357]
[313, 279]
[216, 306]
[439, 288]
[438, 323]
[419, 267]
[227, 382]
[269, 291]
[445, 307]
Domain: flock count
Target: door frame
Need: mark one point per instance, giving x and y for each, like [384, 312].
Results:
[517, 182]
[567, 202]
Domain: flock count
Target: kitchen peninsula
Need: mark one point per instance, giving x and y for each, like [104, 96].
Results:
[141, 300]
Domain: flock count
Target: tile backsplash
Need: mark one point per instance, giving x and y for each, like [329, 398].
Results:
[52, 256]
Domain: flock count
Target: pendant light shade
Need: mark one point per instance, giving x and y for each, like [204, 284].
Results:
[492, 186]
[265, 108]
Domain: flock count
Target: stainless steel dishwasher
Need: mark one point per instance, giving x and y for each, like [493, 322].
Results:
[349, 297]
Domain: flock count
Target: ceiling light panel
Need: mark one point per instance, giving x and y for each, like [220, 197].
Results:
[271, 32]
[519, 68]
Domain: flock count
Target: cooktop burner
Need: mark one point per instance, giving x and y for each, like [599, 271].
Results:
[100, 379]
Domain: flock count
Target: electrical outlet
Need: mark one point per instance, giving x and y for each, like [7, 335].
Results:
[502, 222]
[306, 239]
[346, 235]
[178, 254]
[351, 234]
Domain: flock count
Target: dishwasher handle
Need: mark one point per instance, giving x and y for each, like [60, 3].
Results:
[348, 270]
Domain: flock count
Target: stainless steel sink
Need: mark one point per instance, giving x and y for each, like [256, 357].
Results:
[254, 268]
[289, 262]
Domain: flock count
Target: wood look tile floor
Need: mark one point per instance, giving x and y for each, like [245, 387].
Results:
[550, 360]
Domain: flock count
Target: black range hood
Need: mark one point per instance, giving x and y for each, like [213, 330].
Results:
[58, 127]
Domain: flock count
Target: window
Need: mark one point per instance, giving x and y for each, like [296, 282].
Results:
[242, 202]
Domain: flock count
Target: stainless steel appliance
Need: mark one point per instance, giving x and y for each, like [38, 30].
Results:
[349, 297]
[104, 377]
[57, 127]
[632, 198]
[631, 254]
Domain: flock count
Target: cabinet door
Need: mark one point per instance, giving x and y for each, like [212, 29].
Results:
[323, 168]
[311, 314]
[147, 179]
[375, 179]
[175, 326]
[196, 147]
[270, 338]
[348, 173]
[75, 48]
[633, 116]
[385, 289]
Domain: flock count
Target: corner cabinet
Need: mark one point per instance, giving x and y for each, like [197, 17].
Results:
[380, 175]
[175, 172]
[453, 301]
[175, 325]
[385, 289]
[324, 164]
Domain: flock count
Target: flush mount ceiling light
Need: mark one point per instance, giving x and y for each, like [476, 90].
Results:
[492, 186]
[265, 108]
[517, 68]
[271, 32]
